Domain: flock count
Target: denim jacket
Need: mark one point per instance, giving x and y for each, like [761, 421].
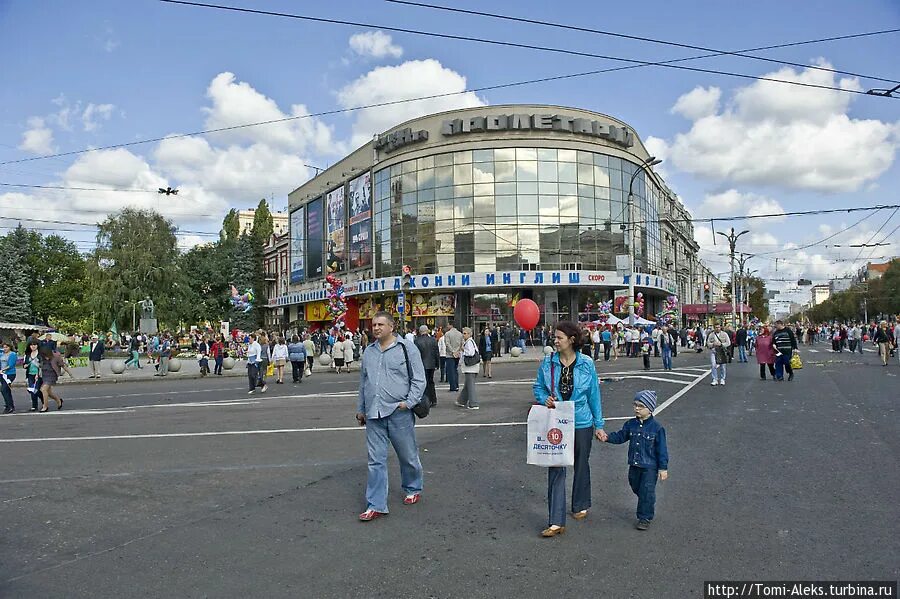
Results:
[646, 443]
[586, 394]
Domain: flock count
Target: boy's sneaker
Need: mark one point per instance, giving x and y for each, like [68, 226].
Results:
[642, 524]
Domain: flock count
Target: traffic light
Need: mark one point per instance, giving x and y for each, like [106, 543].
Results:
[407, 276]
[706, 293]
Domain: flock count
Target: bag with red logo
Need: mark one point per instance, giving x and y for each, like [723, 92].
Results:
[551, 435]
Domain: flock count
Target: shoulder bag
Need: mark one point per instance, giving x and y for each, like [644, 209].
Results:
[473, 359]
[423, 408]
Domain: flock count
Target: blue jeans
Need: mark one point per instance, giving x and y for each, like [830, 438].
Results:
[667, 358]
[597, 347]
[452, 367]
[34, 382]
[782, 363]
[742, 353]
[581, 484]
[399, 429]
[643, 484]
[443, 368]
[717, 371]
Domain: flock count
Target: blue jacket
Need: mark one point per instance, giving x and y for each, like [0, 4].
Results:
[646, 443]
[586, 394]
[8, 366]
[296, 352]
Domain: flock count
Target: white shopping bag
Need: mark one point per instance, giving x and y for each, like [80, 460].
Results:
[551, 435]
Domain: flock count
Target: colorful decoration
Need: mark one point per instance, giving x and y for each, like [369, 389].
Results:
[527, 314]
[669, 313]
[639, 305]
[241, 302]
[337, 306]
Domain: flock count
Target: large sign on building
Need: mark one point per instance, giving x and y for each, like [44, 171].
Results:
[548, 122]
[298, 244]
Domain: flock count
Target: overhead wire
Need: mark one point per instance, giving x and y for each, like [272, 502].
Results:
[713, 52]
[420, 98]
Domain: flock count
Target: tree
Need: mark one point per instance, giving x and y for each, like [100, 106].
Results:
[60, 275]
[263, 226]
[205, 271]
[755, 294]
[15, 302]
[231, 227]
[135, 258]
[246, 273]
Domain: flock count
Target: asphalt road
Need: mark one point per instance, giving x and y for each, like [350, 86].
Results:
[195, 489]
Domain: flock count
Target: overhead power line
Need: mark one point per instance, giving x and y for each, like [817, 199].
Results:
[821, 241]
[484, 88]
[714, 52]
[84, 224]
[467, 38]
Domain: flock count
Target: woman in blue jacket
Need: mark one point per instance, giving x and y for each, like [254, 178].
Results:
[569, 375]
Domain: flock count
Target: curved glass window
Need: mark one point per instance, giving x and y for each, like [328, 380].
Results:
[512, 209]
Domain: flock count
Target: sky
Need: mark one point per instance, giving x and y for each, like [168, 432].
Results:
[98, 73]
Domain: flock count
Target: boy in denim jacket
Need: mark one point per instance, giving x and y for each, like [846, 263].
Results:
[648, 455]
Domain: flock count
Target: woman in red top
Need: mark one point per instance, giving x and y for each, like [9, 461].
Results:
[217, 351]
[765, 355]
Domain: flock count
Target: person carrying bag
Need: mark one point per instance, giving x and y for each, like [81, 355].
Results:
[569, 377]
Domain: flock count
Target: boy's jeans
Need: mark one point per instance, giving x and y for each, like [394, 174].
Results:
[643, 483]
[399, 429]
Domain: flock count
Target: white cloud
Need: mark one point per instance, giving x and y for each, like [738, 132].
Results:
[95, 112]
[410, 79]
[734, 203]
[375, 44]
[698, 103]
[38, 139]
[775, 134]
[238, 103]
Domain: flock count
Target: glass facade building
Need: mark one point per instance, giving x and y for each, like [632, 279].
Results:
[486, 206]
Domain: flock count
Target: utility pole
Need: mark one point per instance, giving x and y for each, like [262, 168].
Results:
[651, 161]
[732, 241]
[742, 259]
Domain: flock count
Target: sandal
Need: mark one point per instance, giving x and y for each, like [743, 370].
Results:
[580, 515]
[552, 531]
[370, 515]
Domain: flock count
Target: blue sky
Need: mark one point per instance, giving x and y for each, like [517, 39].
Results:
[90, 74]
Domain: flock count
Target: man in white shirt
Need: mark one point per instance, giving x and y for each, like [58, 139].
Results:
[595, 339]
[254, 351]
[655, 337]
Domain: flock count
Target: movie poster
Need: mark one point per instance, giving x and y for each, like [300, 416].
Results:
[336, 231]
[314, 238]
[441, 304]
[360, 201]
[298, 243]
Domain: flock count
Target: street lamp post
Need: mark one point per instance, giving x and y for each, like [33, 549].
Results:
[732, 241]
[651, 161]
[742, 259]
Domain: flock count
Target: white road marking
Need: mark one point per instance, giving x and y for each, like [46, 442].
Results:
[658, 378]
[672, 399]
[813, 351]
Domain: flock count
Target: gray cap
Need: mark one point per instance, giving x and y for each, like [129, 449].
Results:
[423, 330]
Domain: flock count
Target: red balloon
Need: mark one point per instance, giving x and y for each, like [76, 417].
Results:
[527, 314]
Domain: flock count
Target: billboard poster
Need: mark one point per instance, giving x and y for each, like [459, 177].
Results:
[360, 200]
[314, 238]
[336, 231]
[442, 304]
[298, 243]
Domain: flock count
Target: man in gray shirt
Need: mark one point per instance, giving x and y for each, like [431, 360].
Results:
[453, 339]
[428, 347]
[392, 382]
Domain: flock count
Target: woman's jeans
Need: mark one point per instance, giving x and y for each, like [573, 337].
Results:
[581, 485]
[667, 358]
[6, 391]
[34, 382]
[297, 367]
[252, 375]
[467, 396]
[218, 367]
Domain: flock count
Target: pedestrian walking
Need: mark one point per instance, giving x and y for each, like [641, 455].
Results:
[349, 351]
[487, 345]
[569, 375]
[607, 339]
[52, 365]
[785, 343]
[134, 348]
[265, 358]
[8, 359]
[596, 340]
[310, 348]
[428, 351]
[217, 351]
[765, 353]
[740, 339]
[883, 339]
[254, 353]
[165, 352]
[280, 359]
[297, 356]
[666, 346]
[32, 363]
[718, 343]
[392, 382]
[337, 354]
[203, 356]
[454, 341]
[469, 368]
[442, 354]
[648, 455]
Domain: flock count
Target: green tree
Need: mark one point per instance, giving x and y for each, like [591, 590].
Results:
[15, 302]
[755, 293]
[60, 274]
[231, 228]
[263, 227]
[246, 273]
[205, 271]
[884, 293]
[135, 258]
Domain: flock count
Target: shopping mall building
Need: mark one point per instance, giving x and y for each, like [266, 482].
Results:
[487, 206]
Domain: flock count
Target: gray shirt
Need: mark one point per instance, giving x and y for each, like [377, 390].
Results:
[384, 380]
[453, 339]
